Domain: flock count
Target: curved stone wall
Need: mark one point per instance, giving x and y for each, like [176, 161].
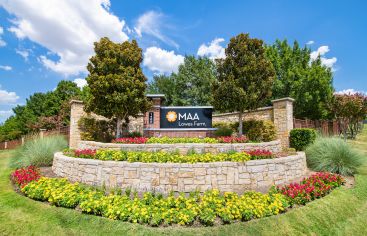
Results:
[256, 175]
[273, 146]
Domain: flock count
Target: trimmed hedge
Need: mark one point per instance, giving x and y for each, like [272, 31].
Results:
[300, 138]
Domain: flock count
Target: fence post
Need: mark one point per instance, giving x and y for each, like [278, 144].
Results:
[6, 145]
[42, 131]
[22, 140]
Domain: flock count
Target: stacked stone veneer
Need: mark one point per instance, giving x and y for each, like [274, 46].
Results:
[264, 113]
[281, 113]
[273, 146]
[256, 175]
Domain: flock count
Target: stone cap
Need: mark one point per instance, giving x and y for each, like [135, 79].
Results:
[76, 101]
[283, 99]
[158, 95]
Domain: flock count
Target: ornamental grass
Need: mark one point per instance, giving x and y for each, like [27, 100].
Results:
[333, 155]
[38, 151]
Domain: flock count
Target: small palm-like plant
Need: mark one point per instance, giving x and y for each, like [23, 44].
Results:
[38, 151]
[333, 155]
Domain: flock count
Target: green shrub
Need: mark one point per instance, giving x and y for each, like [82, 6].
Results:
[134, 134]
[333, 155]
[96, 130]
[223, 131]
[38, 152]
[301, 138]
[258, 130]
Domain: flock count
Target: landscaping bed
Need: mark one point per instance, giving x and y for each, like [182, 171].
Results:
[209, 208]
[164, 157]
[183, 148]
[170, 140]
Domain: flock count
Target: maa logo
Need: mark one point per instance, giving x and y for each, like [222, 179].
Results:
[188, 116]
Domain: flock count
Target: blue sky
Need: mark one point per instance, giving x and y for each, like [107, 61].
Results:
[45, 41]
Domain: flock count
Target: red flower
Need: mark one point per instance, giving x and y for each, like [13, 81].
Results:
[85, 153]
[25, 175]
[230, 139]
[134, 140]
[315, 186]
[260, 154]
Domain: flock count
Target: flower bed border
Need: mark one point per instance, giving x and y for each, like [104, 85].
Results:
[257, 175]
[273, 146]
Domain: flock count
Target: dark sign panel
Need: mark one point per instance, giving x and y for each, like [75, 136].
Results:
[186, 117]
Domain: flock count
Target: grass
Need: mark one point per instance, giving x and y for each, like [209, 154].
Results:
[343, 212]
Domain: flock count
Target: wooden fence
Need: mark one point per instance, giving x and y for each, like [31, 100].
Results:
[12, 144]
[325, 127]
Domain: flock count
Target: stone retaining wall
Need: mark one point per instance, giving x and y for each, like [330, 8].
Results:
[256, 175]
[273, 146]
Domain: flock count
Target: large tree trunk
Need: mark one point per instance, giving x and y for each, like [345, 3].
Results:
[118, 127]
[240, 123]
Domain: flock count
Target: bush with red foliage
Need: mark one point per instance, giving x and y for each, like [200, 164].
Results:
[231, 139]
[131, 140]
[311, 188]
[260, 154]
[25, 175]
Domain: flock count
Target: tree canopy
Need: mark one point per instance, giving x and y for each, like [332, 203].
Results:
[116, 81]
[309, 82]
[190, 86]
[245, 76]
[42, 110]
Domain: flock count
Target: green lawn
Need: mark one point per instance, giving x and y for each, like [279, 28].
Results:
[343, 212]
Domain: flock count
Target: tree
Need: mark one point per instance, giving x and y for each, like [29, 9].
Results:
[350, 110]
[193, 82]
[308, 82]
[116, 81]
[42, 110]
[190, 85]
[245, 77]
[163, 84]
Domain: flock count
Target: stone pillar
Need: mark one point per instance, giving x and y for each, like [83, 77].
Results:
[77, 111]
[283, 118]
[155, 110]
[42, 133]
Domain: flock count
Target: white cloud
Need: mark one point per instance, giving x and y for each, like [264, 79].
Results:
[349, 92]
[321, 51]
[8, 97]
[80, 82]
[213, 50]
[310, 42]
[23, 53]
[2, 42]
[67, 28]
[6, 68]
[150, 23]
[162, 61]
[328, 62]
